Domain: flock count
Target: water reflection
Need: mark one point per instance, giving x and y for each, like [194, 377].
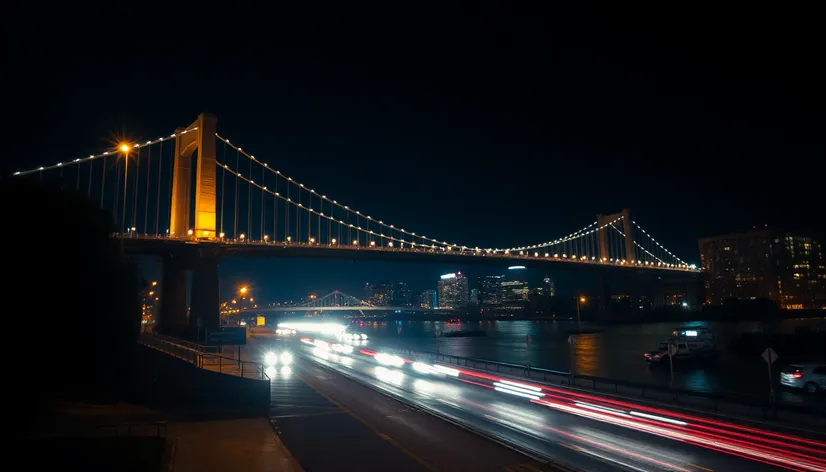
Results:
[587, 354]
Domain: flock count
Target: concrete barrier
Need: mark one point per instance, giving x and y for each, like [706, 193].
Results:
[169, 383]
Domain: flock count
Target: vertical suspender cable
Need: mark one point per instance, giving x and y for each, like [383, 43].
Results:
[287, 213]
[135, 193]
[117, 189]
[146, 199]
[249, 202]
[223, 190]
[263, 186]
[275, 210]
[297, 224]
[89, 189]
[237, 180]
[158, 200]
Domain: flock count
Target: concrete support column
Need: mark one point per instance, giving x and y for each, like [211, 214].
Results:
[604, 295]
[173, 318]
[205, 315]
[607, 232]
[200, 137]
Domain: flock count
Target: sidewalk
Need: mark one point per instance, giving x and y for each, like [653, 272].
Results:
[245, 445]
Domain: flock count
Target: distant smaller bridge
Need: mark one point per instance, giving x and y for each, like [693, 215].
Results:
[339, 301]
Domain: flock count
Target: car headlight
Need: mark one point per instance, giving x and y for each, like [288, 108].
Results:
[270, 358]
[286, 358]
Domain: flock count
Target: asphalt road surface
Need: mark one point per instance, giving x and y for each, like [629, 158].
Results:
[329, 422]
[584, 431]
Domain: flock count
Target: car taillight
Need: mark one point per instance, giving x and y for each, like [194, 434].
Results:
[797, 375]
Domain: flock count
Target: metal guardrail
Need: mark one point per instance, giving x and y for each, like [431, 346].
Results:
[198, 347]
[204, 357]
[725, 403]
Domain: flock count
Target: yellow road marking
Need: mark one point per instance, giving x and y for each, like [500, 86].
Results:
[522, 467]
[573, 448]
[372, 428]
[701, 467]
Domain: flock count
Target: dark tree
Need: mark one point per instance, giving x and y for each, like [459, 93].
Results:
[73, 306]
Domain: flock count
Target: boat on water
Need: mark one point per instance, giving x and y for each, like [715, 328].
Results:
[692, 343]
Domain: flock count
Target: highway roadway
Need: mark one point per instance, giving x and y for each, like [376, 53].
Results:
[580, 430]
[329, 422]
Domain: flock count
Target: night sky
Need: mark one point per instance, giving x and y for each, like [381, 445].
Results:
[484, 125]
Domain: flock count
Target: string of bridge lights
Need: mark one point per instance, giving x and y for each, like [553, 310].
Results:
[329, 218]
[660, 261]
[561, 240]
[434, 243]
[381, 223]
[658, 244]
[413, 244]
[122, 148]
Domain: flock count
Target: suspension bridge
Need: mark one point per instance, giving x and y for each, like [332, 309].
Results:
[194, 196]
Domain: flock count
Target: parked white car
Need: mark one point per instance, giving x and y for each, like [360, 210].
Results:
[809, 377]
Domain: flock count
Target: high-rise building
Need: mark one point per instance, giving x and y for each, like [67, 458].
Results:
[801, 273]
[428, 299]
[453, 291]
[546, 288]
[474, 296]
[739, 265]
[783, 267]
[400, 294]
[380, 294]
[515, 286]
[490, 290]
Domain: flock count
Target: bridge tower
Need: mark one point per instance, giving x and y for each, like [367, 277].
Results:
[202, 140]
[603, 220]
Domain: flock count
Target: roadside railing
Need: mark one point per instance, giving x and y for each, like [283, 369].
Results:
[723, 403]
[198, 347]
[204, 357]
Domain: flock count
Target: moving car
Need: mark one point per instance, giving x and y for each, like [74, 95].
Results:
[809, 377]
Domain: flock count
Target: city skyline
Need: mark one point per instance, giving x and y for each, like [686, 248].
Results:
[327, 276]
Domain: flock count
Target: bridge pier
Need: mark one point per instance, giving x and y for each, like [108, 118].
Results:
[205, 313]
[604, 312]
[173, 317]
[204, 300]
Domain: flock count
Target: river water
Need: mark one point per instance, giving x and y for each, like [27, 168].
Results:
[616, 351]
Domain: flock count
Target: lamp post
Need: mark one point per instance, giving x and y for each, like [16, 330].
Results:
[124, 148]
[243, 291]
[579, 300]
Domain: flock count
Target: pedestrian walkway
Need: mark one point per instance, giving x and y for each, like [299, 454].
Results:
[248, 445]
